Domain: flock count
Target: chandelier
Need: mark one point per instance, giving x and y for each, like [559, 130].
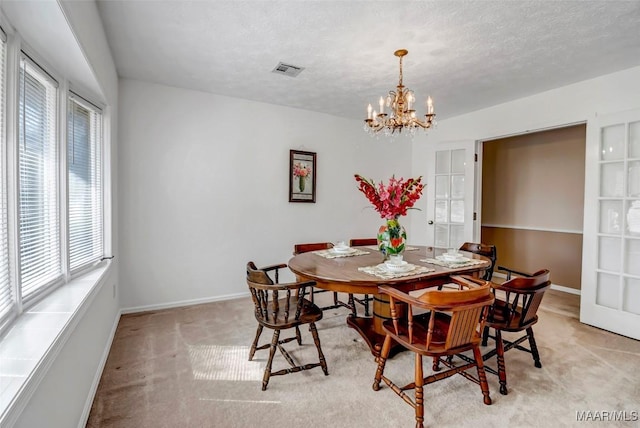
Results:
[402, 115]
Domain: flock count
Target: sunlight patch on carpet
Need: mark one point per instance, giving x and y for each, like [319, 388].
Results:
[213, 362]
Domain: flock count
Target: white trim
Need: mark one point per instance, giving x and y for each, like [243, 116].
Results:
[15, 408]
[538, 229]
[566, 289]
[544, 128]
[82, 423]
[556, 287]
[180, 303]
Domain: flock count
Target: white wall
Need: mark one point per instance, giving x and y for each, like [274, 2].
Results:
[575, 103]
[67, 388]
[205, 189]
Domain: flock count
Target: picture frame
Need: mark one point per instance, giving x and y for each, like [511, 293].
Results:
[302, 176]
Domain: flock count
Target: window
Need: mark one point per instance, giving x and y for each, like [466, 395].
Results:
[51, 181]
[84, 145]
[6, 296]
[38, 204]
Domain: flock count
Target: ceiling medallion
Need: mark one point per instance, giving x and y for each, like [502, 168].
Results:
[401, 115]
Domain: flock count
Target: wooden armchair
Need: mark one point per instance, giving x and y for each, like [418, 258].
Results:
[515, 312]
[451, 324]
[484, 250]
[361, 242]
[277, 308]
[337, 303]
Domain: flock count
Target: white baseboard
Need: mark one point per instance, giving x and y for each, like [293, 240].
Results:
[170, 305]
[82, 423]
[565, 289]
[553, 286]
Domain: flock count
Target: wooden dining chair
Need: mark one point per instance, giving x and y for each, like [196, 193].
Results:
[515, 310]
[280, 307]
[486, 250]
[337, 303]
[438, 323]
[361, 242]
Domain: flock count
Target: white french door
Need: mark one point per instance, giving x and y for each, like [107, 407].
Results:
[610, 297]
[450, 194]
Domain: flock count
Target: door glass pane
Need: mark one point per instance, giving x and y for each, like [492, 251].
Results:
[457, 236]
[634, 180]
[442, 236]
[631, 298]
[633, 218]
[608, 290]
[442, 187]
[457, 161]
[634, 140]
[442, 162]
[457, 211]
[632, 264]
[457, 186]
[442, 212]
[611, 217]
[610, 257]
[612, 143]
[612, 180]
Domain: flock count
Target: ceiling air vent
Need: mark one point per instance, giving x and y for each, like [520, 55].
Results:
[287, 69]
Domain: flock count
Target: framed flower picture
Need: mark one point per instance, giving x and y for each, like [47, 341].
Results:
[302, 176]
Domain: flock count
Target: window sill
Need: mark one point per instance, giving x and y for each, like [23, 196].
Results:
[36, 337]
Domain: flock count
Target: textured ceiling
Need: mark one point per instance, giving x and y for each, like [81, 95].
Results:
[465, 54]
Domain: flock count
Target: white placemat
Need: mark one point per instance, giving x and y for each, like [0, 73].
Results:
[381, 271]
[451, 265]
[330, 254]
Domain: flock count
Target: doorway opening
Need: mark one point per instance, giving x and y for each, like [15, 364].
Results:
[532, 202]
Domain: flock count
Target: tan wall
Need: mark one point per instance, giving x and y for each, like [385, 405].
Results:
[531, 250]
[536, 181]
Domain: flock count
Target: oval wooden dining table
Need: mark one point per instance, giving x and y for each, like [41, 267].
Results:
[341, 274]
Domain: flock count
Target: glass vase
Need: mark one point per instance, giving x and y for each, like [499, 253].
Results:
[301, 183]
[391, 238]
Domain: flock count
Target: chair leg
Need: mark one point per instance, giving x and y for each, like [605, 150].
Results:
[272, 352]
[485, 336]
[534, 348]
[366, 305]
[352, 304]
[255, 342]
[382, 359]
[502, 371]
[298, 336]
[482, 377]
[316, 340]
[436, 364]
[419, 403]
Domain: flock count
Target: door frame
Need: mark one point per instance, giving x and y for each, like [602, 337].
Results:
[478, 202]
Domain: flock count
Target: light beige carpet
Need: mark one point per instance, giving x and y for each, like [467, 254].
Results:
[188, 367]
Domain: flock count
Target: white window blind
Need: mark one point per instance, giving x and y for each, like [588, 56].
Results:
[6, 298]
[38, 210]
[84, 160]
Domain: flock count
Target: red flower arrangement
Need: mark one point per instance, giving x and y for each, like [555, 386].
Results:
[393, 200]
